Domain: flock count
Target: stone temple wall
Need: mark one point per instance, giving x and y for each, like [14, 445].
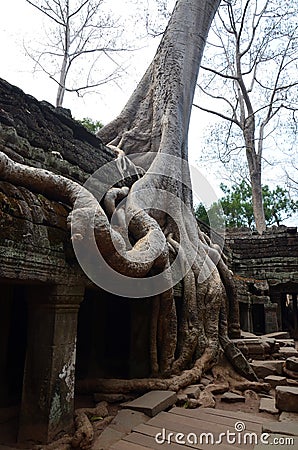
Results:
[272, 256]
[42, 286]
[56, 326]
[266, 271]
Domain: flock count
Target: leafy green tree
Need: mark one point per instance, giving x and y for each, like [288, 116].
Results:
[92, 125]
[237, 209]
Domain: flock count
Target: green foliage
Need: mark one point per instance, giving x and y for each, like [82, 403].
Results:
[236, 206]
[92, 125]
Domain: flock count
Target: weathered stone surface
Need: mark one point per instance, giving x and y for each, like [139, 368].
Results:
[286, 352]
[254, 347]
[230, 397]
[127, 419]
[32, 130]
[289, 429]
[277, 335]
[152, 402]
[268, 367]
[292, 382]
[286, 342]
[192, 391]
[181, 399]
[193, 403]
[292, 364]
[275, 380]
[220, 388]
[268, 405]
[206, 399]
[120, 426]
[287, 398]
[205, 381]
[289, 417]
[251, 395]
[108, 437]
[247, 335]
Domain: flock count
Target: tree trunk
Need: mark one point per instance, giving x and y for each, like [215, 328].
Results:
[63, 71]
[161, 238]
[255, 174]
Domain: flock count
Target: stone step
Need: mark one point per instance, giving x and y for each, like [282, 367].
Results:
[292, 364]
[120, 426]
[267, 367]
[277, 335]
[287, 352]
[287, 398]
[192, 391]
[289, 429]
[288, 417]
[153, 402]
[286, 342]
[275, 380]
[268, 405]
[230, 397]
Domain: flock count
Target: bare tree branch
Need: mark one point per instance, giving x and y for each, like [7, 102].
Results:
[84, 31]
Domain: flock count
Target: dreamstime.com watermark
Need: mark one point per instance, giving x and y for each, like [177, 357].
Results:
[238, 436]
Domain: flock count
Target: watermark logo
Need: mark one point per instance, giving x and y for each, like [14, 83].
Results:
[237, 436]
[167, 170]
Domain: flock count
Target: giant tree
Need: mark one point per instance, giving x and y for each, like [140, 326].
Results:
[249, 79]
[155, 237]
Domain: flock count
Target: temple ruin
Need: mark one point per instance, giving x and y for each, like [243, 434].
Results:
[56, 326]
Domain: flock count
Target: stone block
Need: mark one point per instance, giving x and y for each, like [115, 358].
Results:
[286, 342]
[291, 382]
[192, 391]
[275, 380]
[193, 403]
[289, 429]
[206, 399]
[219, 388]
[108, 437]
[288, 417]
[230, 397]
[287, 398]
[292, 364]
[267, 367]
[127, 419]
[153, 402]
[277, 335]
[181, 399]
[287, 352]
[268, 405]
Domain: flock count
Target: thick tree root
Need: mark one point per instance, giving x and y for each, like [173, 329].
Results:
[61, 444]
[138, 385]
[84, 434]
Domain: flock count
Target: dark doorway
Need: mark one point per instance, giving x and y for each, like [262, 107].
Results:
[258, 318]
[113, 336]
[103, 343]
[13, 342]
[285, 295]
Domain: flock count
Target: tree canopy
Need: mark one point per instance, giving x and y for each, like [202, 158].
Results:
[235, 207]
